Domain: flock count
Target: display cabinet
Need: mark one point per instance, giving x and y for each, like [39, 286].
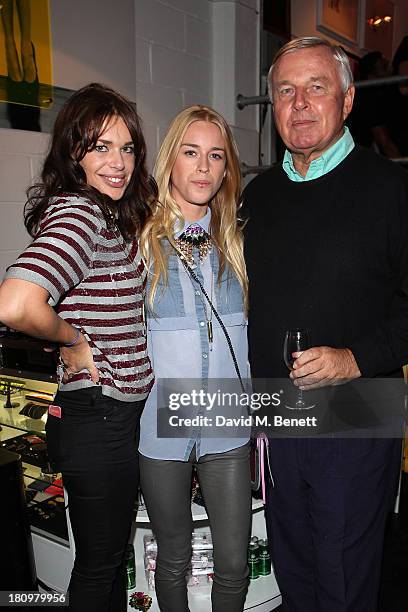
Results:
[22, 430]
[24, 434]
[263, 594]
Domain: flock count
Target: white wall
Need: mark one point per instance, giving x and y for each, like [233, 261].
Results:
[164, 54]
[21, 155]
[93, 40]
[197, 51]
[236, 70]
[173, 61]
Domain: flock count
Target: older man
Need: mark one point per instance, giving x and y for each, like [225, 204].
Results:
[327, 250]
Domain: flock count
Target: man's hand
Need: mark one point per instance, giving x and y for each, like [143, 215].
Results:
[78, 357]
[322, 366]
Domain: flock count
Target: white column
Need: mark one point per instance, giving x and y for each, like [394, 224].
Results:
[236, 69]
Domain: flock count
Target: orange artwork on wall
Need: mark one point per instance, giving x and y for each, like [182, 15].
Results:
[340, 19]
[25, 53]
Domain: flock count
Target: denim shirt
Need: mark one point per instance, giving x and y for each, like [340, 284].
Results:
[178, 346]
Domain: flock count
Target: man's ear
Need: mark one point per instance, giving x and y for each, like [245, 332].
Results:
[348, 101]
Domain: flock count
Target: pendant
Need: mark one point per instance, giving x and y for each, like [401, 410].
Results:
[210, 333]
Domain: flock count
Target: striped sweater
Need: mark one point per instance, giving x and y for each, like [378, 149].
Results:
[96, 282]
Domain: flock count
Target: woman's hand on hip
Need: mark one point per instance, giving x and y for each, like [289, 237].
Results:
[78, 357]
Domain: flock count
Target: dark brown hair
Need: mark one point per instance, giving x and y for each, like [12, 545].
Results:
[77, 128]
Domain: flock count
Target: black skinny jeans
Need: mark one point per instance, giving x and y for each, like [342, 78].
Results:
[225, 483]
[94, 445]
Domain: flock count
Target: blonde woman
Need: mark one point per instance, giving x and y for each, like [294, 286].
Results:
[194, 227]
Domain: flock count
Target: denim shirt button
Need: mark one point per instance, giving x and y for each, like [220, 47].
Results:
[205, 355]
[198, 292]
[202, 323]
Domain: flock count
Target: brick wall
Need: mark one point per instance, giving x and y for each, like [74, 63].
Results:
[182, 52]
[21, 155]
[173, 61]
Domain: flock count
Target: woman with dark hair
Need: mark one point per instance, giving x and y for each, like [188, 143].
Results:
[80, 284]
[197, 296]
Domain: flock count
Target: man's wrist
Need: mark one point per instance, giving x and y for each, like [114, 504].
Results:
[355, 370]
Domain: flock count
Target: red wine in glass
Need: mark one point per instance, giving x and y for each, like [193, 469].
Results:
[296, 340]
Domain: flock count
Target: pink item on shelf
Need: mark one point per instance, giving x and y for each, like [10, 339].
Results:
[262, 444]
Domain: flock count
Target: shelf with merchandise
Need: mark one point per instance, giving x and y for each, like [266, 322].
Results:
[22, 426]
[263, 593]
[24, 434]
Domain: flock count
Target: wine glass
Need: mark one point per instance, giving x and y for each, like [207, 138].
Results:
[296, 340]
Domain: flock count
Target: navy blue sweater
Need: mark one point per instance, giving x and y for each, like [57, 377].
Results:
[330, 255]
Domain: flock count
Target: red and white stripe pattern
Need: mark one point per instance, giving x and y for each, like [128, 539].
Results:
[96, 281]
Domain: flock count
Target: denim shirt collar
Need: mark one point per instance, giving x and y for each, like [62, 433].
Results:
[327, 161]
[204, 222]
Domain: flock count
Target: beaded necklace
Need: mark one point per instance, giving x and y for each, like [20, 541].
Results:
[194, 236]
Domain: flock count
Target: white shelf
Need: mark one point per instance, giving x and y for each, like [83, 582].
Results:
[54, 560]
[263, 593]
[199, 513]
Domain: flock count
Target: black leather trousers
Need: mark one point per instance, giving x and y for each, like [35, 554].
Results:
[225, 483]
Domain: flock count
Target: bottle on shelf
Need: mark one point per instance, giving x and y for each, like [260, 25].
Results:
[264, 567]
[253, 560]
[130, 567]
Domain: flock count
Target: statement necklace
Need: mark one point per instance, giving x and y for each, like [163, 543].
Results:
[194, 236]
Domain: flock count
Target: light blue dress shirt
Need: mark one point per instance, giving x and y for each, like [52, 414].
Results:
[179, 347]
[327, 161]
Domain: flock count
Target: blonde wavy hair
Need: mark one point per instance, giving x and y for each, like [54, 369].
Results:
[226, 229]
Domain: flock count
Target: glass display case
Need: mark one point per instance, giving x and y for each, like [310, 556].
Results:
[27, 387]
[25, 394]
[263, 593]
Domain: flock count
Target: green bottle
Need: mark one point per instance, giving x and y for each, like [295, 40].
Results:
[264, 558]
[130, 567]
[253, 561]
